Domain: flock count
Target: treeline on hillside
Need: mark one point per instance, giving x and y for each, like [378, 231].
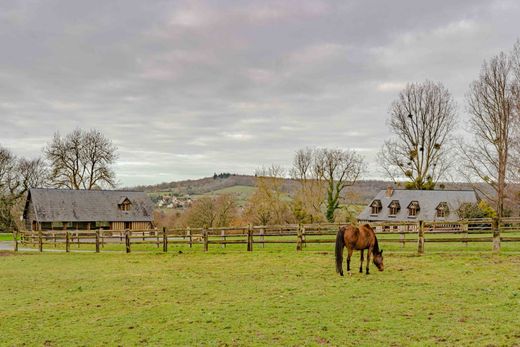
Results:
[270, 204]
[199, 186]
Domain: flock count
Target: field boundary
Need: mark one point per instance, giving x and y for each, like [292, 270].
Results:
[493, 231]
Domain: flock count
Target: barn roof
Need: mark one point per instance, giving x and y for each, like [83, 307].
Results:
[428, 201]
[88, 205]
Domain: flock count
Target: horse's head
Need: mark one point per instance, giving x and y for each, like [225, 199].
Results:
[378, 261]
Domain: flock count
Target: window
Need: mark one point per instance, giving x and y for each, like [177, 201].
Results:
[443, 210]
[124, 204]
[376, 206]
[394, 207]
[413, 208]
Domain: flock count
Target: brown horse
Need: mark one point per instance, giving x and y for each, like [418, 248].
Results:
[355, 238]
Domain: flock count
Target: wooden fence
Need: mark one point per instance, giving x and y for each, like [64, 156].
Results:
[491, 231]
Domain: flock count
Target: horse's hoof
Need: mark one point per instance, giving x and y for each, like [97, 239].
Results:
[350, 274]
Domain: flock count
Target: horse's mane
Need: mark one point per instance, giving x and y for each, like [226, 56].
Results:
[376, 244]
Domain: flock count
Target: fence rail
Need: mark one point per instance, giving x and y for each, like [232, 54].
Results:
[493, 231]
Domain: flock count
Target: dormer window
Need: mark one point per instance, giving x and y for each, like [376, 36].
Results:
[376, 206]
[394, 207]
[442, 210]
[413, 208]
[124, 204]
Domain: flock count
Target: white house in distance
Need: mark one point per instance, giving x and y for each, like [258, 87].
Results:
[400, 205]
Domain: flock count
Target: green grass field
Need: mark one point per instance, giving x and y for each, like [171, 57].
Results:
[272, 296]
[241, 193]
[6, 237]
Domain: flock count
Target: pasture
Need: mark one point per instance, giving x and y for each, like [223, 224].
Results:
[241, 193]
[273, 296]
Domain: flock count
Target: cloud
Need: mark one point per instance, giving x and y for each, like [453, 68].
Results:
[187, 88]
[390, 86]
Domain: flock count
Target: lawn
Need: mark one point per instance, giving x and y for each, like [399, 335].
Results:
[268, 297]
[6, 237]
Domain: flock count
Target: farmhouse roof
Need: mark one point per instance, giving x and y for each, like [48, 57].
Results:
[88, 205]
[428, 201]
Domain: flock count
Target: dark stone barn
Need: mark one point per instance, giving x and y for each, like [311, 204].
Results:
[62, 209]
[413, 205]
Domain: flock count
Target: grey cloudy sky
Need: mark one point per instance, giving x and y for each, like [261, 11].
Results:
[187, 88]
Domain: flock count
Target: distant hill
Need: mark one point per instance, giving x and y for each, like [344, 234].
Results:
[361, 193]
[200, 186]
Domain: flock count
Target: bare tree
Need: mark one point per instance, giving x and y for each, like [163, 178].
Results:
[515, 145]
[490, 104]
[33, 173]
[8, 177]
[323, 175]
[226, 210]
[212, 212]
[338, 169]
[310, 197]
[17, 175]
[422, 120]
[268, 205]
[82, 160]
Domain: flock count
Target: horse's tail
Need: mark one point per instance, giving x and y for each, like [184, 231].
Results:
[340, 244]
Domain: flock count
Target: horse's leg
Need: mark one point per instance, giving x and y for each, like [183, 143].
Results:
[369, 252]
[350, 251]
[361, 265]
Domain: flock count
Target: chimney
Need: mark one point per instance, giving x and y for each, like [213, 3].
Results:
[389, 191]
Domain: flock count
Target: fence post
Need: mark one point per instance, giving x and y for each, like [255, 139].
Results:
[262, 232]
[205, 237]
[97, 240]
[223, 234]
[299, 238]
[420, 241]
[465, 228]
[40, 241]
[249, 238]
[15, 235]
[496, 234]
[164, 240]
[157, 236]
[67, 241]
[127, 240]
[188, 231]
